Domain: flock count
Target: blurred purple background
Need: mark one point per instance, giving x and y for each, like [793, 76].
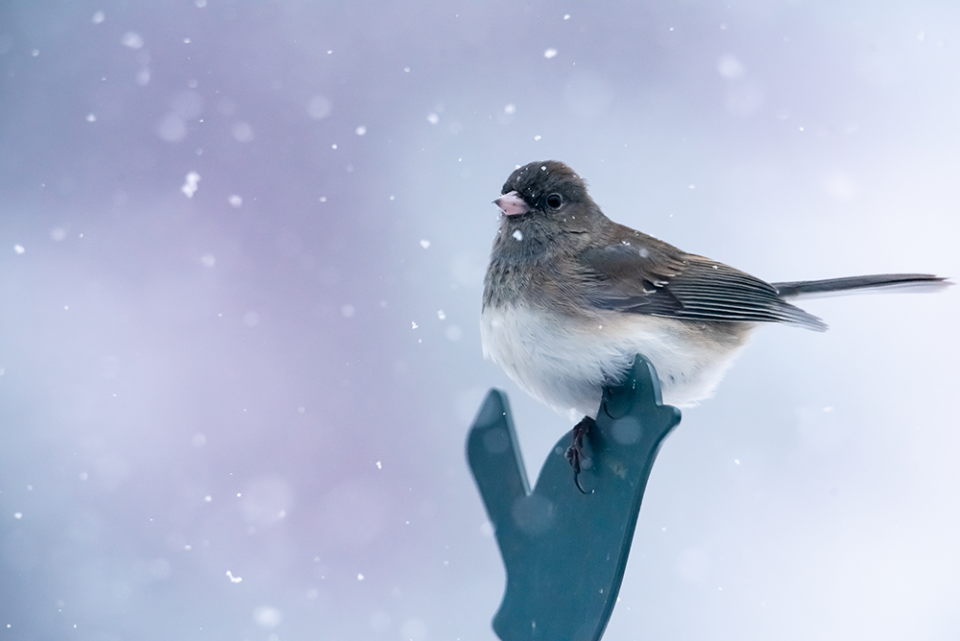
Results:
[241, 257]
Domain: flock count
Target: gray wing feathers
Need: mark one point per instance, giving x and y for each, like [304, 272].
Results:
[713, 291]
[683, 286]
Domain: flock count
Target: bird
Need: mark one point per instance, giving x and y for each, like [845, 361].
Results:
[571, 297]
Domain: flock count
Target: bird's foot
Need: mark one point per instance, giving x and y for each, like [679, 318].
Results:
[576, 455]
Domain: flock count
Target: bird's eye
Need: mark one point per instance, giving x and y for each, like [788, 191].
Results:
[554, 201]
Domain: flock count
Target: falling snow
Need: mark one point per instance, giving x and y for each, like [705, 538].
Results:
[242, 131]
[229, 314]
[319, 107]
[132, 39]
[267, 616]
[189, 187]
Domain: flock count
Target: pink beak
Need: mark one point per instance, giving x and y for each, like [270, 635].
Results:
[511, 204]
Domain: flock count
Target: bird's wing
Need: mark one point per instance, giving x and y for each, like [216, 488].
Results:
[660, 280]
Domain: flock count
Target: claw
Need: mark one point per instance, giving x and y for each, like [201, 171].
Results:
[575, 453]
[576, 481]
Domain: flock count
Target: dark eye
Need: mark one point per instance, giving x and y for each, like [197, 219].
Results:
[554, 201]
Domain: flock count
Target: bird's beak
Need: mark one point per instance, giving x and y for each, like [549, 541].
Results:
[511, 204]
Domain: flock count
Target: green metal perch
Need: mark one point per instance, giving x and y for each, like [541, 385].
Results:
[564, 551]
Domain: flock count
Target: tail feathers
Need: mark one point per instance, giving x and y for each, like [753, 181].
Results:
[862, 284]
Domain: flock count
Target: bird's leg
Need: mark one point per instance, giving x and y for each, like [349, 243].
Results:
[575, 454]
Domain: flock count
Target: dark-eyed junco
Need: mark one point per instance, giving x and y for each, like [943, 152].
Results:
[570, 297]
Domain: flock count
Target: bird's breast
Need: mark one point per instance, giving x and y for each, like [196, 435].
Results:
[565, 360]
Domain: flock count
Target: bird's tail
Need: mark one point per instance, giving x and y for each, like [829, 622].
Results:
[862, 284]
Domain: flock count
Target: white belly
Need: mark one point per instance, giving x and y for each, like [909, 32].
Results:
[566, 362]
